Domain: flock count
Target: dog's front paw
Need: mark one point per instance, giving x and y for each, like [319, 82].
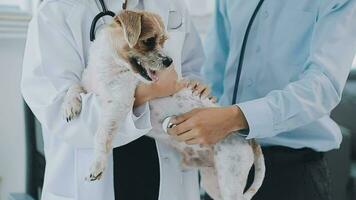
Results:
[72, 107]
[97, 170]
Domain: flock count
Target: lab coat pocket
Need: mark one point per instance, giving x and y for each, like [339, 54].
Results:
[177, 21]
[177, 27]
[291, 36]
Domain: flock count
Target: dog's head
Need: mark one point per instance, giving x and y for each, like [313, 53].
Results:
[144, 36]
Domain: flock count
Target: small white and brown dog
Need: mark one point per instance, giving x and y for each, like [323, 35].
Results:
[129, 51]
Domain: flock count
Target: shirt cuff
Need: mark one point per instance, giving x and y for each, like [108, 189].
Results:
[139, 111]
[137, 124]
[259, 117]
[141, 117]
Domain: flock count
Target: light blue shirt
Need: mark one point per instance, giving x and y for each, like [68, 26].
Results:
[297, 60]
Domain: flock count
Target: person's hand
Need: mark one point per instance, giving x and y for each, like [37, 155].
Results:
[200, 89]
[207, 126]
[166, 85]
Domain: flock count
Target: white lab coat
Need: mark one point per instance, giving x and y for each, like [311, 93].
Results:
[56, 54]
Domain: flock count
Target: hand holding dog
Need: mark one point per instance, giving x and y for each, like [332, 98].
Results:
[207, 126]
[200, 89]
[166, 85]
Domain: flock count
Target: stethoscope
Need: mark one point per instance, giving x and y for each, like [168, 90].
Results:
[104, 12]
[243, 50]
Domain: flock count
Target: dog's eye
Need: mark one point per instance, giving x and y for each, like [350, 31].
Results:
[150, 42]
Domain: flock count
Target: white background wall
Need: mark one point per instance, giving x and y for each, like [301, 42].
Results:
[13, 25]
[12, 136]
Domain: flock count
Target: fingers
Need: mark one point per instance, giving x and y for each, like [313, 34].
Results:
[199, 89]
[183, 117]
[213, 99]
[194, 141]
[180, 85]
[187, 136]
[192, 84]
[179, 129]
[205, 93]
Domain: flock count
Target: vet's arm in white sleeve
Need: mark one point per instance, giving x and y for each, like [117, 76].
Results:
[52, 63]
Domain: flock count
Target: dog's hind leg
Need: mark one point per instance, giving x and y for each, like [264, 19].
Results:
[233, 161]
[210, 183]
[72, 104]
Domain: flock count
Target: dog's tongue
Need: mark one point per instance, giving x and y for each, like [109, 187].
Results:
[153, 75]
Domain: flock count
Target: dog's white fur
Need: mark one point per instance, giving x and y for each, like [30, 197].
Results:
[224, 167]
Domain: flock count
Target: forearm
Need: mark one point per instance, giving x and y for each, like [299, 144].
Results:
[237, 121]
[142, 95]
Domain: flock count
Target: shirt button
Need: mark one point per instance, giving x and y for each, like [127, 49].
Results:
[258, 49]
[265, 14]
[249, 82]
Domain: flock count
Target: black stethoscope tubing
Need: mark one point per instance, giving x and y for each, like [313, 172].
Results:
[243, 50]
[104, 12]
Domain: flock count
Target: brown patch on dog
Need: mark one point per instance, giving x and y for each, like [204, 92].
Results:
[131, 25]
[189, 151]
[142, 28]
[255, 147]
[139, 39]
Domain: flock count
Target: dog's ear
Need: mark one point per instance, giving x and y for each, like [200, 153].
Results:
[131, 24]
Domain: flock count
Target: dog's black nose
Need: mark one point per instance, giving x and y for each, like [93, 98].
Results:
[167, 61]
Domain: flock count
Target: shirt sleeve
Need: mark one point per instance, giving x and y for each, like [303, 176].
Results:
[319, 87]
[216, 51]
[52, 63]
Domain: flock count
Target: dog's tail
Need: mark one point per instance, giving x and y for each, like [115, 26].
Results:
[260, 169]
